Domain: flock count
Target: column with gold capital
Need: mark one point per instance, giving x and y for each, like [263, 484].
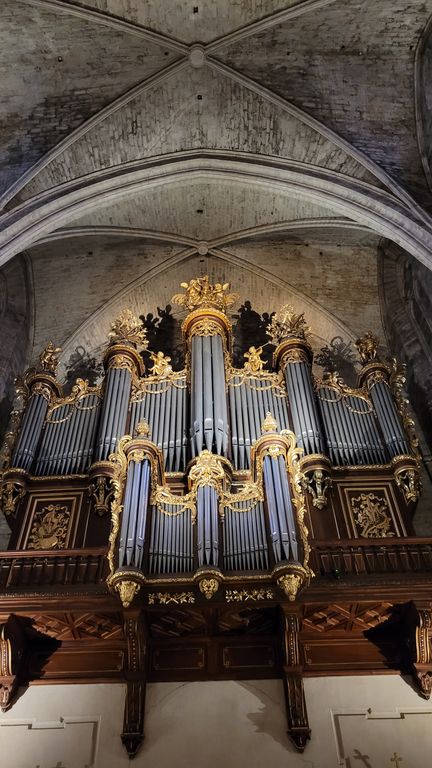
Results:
[208, 334]
[122, 363]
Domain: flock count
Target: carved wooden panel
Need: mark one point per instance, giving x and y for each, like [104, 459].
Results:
[370, 508]
[69, 626]
[51, 520]
[349, 617]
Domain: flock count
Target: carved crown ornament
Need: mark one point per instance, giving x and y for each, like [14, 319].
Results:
[200, 294]
[287, 323]
[128, 327]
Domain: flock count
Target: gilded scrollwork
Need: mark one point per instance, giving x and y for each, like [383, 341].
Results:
[80, 390]
[165, 598]
[49, 527]
[201, 294]
[287, 323]
[101, 492]
[397, 384]
[207, 470]
[371, 516]
[246, 595]
[128, 327]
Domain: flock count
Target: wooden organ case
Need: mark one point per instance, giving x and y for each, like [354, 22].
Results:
[213, 522]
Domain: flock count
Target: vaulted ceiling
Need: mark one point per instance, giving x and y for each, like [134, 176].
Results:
[279, 138]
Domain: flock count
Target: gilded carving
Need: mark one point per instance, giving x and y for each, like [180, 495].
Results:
[269, 424]
[287, 324]
[161, 365]
[245, 595]
[101, 491]
[290, 583]
[49, 527]
[408, 480]
[127, 590]
[207, 470]
[367, 346]
[208, 587]
[371, 516]
[254, 364]
[397, 384]
[165, 598]
[11, 493]
[80, 390]
[317, 484]
[201, 294]
[49, 357]
[142, 429]
[128, 327]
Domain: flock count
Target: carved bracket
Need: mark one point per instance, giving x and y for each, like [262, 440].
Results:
[12, 660]
[317, 483]
[10, 495]
[298, 724]
[100, 492]
[135, 673]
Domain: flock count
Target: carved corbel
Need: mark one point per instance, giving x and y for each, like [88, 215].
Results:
[12, 660]
[135, 674]
[100, 493]
[315, 478]
[11, 492]
[298, 724]
[409, 482]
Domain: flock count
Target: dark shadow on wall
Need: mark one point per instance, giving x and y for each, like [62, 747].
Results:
[164, 335]
[250, 329]
[81, 365]
[339, 357]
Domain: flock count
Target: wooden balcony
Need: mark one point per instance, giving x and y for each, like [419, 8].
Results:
[350, 557]
[31, 568]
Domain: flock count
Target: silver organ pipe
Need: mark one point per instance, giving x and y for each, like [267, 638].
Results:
[134, 515]
[280, 511]
[42, 387]
[207, 526]
[209, 413]
[388, 417]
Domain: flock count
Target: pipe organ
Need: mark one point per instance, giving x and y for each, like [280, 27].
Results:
[215, 481]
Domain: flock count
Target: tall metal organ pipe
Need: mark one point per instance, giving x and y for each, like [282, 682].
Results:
[294, 356]
[43, 386]
[134, 516]
[122, 362]
[207, 333]
[375, 375]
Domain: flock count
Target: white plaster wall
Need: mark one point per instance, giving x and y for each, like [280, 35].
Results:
[355, 721]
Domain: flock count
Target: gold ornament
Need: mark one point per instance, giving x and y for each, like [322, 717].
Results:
[245, 595]
[208, 587]
[253, 365]
[207, 470]
[161, 365]
[290, 583]
[165, 598]
[410, 484]
[10, 495]
[317, 485]
[200, 293]
[287, 324]
[128, 327]
[269, 424]
[49, 357]
[370, 516]
[49, 528]
[127, 591]
[367, 346]
[142, 429]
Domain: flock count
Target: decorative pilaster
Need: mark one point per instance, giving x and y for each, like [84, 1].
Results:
[136, 676]
[12, 660]
[298, 724]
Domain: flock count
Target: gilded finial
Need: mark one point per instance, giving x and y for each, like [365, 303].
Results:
[269, 424]
[201, 294]
[161, 364]
[287, 324]
[128, 327]
[142, 429]
[49, 357]
[367, 346]
[253, 365]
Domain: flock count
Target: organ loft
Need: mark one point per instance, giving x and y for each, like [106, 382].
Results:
[212, 522]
